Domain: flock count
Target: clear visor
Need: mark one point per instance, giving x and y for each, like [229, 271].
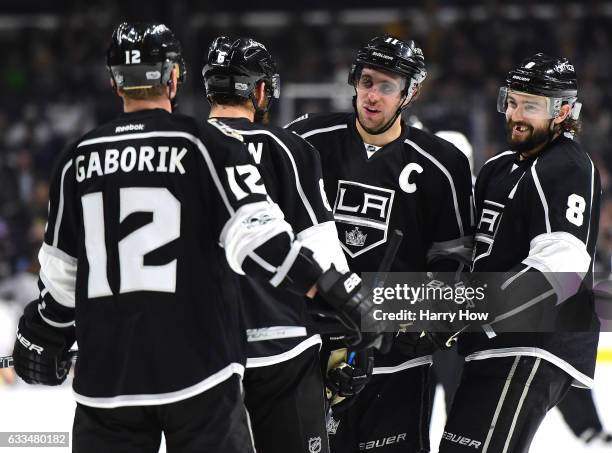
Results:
[529, 105]
[384, 86]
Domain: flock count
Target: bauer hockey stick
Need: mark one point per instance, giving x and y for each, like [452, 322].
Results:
[7, 361]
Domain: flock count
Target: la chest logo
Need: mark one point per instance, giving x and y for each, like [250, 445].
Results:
[362, 215]
[490, 219]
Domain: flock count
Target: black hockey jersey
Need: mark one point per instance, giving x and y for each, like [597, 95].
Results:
[418, 184]
[541, 214]
[138, 208]
[291, 170]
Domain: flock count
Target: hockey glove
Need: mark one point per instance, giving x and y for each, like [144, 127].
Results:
[345, 294]
[442, 332]
[40, 354]
[347, 378]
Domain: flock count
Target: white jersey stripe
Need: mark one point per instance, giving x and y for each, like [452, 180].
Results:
[256, 362]
[448, 176]
[514, 277]
[591, 206]
[60, 207]
[424, 360]
[298, 184]
[287, 264]
[580, 379]
[505, 153]
[536, 180]
[162, 398]
[323, 130]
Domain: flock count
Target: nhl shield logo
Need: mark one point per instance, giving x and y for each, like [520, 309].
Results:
[314, 444]
[362, 215]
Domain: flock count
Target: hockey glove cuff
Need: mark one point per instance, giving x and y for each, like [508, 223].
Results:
[40, 354]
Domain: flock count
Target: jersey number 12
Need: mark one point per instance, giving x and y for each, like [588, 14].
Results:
[134, 274]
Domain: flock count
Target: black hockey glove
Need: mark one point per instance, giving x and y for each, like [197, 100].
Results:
[443, 333]
[345, 380]
[40, 354]
[345, 294]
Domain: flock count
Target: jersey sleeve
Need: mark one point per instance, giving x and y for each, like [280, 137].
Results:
[314, 222]
[57, 256]
[257, 239]
[562, 210]
[452, 215]
[562, 201]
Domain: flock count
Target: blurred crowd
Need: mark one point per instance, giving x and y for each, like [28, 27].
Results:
[54, 85]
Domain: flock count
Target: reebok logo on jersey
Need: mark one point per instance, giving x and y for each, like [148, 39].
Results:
[362, 215]
[461, 440]
[129, 128]
[372, 444]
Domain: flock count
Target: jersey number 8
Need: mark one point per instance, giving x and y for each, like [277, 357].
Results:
[575, 209]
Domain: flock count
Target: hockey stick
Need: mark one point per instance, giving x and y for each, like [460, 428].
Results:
[385, 265]
[7, 361]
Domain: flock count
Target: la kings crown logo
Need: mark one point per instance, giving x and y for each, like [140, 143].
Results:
[362, 214]
[355, 237]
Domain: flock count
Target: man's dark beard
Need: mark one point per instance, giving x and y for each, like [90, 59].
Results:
[536, 138]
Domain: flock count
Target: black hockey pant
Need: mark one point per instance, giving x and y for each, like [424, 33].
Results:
[286, 405]
[213, 421]
[390, 415]
[500, 404]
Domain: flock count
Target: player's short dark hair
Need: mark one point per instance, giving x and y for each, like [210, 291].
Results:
[144, 94]
[229, 100]
[571, 125]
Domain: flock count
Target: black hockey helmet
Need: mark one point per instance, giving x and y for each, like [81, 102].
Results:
[543, 75]
[393, 55]
[143, 55]
[236, 66]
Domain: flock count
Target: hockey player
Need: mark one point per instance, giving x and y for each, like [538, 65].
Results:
[383, 175]
[131, 268]
[538, 211]
[283, 384]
